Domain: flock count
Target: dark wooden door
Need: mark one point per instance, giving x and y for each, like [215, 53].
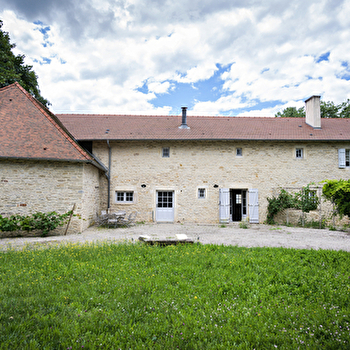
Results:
[236, 205]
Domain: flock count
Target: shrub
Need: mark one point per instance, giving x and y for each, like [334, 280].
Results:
[44, 222]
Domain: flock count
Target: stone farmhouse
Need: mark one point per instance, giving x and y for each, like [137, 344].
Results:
[42, 167]
[168, 168]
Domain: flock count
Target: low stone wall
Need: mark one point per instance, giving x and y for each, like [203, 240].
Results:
[294, 217]
[36, 233]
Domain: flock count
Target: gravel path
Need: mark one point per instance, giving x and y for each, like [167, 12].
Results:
[255, 236]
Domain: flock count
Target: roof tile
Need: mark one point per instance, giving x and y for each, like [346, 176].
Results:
[131, 127]
[29, 130]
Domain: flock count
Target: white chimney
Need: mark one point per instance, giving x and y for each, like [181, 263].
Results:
[313, 112]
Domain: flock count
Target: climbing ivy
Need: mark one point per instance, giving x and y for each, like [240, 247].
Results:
[338, 192]
[304, 200]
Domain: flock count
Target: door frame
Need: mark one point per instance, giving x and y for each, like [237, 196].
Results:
[169, 212]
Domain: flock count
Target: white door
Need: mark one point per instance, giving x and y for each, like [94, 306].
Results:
[253, 206]
[165, 206]
[224, 205]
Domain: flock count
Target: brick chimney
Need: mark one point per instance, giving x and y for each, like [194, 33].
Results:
[313, 112]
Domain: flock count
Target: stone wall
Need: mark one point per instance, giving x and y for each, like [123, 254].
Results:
[138, 166]
[31, 186]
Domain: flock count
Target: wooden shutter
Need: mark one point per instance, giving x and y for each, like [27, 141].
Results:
[341, 158]
[224, 205]
[253, 206]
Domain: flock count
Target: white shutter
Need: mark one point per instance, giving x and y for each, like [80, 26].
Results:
[224, 205]
[341, 158]
[253, 206]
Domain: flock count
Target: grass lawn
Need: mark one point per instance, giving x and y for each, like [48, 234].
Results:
[134, 296]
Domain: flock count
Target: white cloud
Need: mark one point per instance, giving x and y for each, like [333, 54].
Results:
[102, 51]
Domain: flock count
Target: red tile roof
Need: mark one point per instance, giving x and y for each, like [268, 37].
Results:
[131, 127]
[29, 130]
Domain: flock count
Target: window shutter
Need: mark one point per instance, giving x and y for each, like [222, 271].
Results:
[224, 205]
[341, 158]
[253, 206]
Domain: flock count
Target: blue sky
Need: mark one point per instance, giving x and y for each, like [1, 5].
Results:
[217, 57]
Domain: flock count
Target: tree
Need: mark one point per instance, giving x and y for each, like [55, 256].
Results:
[338, 192]
[12, 69]
[328, 110]
[291, 112]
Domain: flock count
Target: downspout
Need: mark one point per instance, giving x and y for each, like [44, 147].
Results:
[109, 176]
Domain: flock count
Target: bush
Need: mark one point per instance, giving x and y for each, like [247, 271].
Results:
[44, 222]
[305, 200]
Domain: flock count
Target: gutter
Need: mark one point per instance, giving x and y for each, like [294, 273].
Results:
[94, 161]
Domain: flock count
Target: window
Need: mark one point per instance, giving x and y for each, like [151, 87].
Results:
[313, 195]
[166, 152]
[239, 152]
[201, 192]
[344, 158]
[299, 153]
[165, 199]
[124, 197]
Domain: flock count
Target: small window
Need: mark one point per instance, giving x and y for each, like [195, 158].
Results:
[166, 152]
[299, 154]
[124, 197]
[313, 195]
[344, 158]
[239, 152]
[201, 192]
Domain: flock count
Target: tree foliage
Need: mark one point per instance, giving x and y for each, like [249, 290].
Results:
[338, 192]
[292, 112]
[12, 69]
[328, 110]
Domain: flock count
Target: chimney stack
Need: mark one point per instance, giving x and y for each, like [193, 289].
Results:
[184, 119]
[313, 112]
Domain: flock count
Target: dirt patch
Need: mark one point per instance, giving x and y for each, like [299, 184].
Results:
[254, 236]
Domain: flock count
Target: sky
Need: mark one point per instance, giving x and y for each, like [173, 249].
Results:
[216, 57]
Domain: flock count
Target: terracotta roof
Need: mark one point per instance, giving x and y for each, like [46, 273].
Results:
[131, 127]
[29, 130]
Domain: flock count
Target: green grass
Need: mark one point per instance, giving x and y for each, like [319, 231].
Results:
[134, 296]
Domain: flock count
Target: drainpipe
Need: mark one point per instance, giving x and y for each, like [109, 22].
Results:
[109, 175]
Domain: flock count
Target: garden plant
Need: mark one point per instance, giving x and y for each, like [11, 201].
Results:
[134, 296]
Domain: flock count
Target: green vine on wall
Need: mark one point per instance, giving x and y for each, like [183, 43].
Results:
[304, 200]
[44, 222]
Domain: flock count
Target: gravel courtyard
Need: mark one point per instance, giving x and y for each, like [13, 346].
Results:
[254, 236]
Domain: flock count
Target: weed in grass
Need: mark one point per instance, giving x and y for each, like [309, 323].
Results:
[187, 297]
[275, 228]
[243, 224]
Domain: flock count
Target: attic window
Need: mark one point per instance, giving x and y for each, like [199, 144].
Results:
[201, 193]
[239, 152]
[299, 154]
[166, 152]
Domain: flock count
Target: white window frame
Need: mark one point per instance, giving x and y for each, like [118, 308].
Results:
[126, 197]
[166, 152]
[344, 158]
[299, 153]
[202, 193]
